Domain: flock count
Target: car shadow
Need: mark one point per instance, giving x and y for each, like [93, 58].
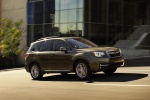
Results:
[117, 77]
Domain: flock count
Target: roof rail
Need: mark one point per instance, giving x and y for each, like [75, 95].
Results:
[47, 38]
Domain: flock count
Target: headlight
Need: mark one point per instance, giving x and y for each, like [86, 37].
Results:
[120, 51]
[98, 54]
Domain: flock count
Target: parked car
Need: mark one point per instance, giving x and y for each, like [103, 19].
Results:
[71, 54]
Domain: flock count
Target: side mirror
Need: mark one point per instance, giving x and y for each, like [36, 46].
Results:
[63, 49]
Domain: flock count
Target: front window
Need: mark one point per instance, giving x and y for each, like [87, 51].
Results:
[79, 43]
[58, 44]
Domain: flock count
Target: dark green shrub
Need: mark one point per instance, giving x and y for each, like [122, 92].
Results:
[5, 63]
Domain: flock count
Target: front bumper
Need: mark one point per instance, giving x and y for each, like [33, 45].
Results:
[110, 65]
[107, 63]
[113, 62]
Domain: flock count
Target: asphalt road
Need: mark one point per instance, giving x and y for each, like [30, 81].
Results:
[128, 83]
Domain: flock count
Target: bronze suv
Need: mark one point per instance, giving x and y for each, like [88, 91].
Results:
[71, 54]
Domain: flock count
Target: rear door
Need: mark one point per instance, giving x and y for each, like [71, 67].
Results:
[45, 55]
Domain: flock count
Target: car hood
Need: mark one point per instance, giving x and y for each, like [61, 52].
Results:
[98, 49]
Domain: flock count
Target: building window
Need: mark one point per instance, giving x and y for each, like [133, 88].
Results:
[68, 4]
[34, 0]
[49, 11]
[102, 21]
[38, 12]
[115, 12]
[35, 12]
[30, 13]
[34, 32]
[54, 17]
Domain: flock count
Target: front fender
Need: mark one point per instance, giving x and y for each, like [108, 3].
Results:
[89, 58]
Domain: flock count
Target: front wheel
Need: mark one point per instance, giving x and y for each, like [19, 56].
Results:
[82, 70]
[35, 72]
[110, 71]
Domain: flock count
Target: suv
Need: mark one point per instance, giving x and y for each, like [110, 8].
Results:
[71, 54]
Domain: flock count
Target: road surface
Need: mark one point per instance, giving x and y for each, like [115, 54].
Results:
[128, 83]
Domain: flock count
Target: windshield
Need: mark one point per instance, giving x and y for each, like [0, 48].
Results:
[79, 43]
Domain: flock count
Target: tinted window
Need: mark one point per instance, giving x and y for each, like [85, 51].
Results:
[59, 43]
[79, 43]
[36, 47]
[46, 45]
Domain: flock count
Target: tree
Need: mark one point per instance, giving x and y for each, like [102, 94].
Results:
[10, 33]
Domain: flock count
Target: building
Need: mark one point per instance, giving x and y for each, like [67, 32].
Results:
[104, 22]
[16, 10]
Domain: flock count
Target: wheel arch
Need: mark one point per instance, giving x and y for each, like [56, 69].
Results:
[32, 64]
[80, 59]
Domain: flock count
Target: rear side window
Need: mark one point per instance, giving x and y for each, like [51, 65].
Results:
[46, 45]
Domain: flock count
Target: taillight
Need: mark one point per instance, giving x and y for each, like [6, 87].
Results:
[26, 55]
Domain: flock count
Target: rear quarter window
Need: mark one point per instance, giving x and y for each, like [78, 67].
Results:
[35, 47]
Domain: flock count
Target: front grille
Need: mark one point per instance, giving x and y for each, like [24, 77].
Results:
[114, 54]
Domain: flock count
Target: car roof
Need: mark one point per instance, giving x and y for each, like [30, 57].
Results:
[53, 37]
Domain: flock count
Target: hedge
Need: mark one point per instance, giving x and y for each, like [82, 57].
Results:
[5, 63]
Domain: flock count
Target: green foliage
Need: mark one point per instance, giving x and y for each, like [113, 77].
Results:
[10, 32]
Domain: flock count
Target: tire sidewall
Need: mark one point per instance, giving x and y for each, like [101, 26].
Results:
[88, 73]
[40, 75]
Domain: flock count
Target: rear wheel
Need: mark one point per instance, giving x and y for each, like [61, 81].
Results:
[82, 70]
[35, 72]
[110, 71]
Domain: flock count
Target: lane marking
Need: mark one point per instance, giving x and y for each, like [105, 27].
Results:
[122, 85]
[135, 70]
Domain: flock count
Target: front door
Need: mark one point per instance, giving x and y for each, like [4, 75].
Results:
[61, 59]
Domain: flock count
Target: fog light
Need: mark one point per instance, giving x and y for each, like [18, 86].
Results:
[103, 65]
[122, 64]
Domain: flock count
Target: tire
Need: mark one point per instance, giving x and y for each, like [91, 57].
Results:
[110, 71]
[35, 72]
[82, 70]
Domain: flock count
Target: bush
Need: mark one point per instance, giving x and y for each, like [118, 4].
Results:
[5, 63]
[10, 37]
